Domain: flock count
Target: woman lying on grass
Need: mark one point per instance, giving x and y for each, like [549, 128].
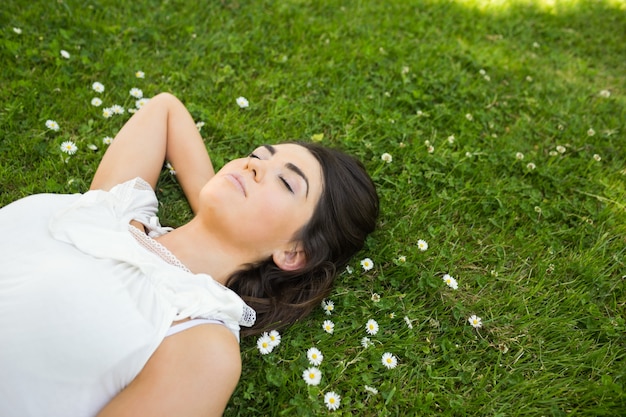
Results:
[105, 312]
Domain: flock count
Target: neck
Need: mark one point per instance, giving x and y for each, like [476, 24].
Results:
[204, 252]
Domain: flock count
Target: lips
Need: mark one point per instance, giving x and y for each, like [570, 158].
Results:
[237, 181]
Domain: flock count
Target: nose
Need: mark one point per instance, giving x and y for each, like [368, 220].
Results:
[255, 165]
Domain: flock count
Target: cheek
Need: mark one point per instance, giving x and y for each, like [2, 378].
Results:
[279, 217]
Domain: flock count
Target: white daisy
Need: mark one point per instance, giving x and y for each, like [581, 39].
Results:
[475, 321]
[371, 390]
[141, 102]
[135, 92]
[52, 125]
[242, 102]
[328, 326]
[422, 245]
[597, 157]
[371, 327]
[386, 157]
[367, 264]
[92, 147]
[97, 87]
[17, 30]
[366, 342]
[531, 166]
[312, 376]
[328, 307]
[314, 356]
[107, 112]
[96, 102]
[602, 93]
[140, 74]
[200, 125]
[264, 344]
[69, 147]
[389, 360]
[107, 140]
[560, 149]
[451, 282]
[332, 400]
[274, 338]
[519, 156]
[117, 109]
[65, 54]
[170, 168]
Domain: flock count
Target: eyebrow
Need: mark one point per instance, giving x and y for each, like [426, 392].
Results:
[270, 148]
[291, 167]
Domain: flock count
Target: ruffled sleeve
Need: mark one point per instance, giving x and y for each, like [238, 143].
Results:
[97, 224]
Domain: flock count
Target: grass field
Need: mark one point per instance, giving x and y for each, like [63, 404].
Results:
[505, 128]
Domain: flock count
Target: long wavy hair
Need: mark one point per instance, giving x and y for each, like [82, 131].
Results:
[345, 214]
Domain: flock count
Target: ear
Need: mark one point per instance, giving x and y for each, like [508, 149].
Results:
[290, 259]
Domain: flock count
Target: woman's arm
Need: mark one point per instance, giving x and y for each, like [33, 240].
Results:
[161, 130]
[192, 374]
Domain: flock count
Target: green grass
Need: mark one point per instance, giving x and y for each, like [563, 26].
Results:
[538, 254]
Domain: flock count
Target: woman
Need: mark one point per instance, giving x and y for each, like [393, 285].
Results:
[105, 312]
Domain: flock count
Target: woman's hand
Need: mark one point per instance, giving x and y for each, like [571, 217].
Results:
[161, 130]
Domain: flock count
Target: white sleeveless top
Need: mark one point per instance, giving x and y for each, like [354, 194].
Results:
[85, 300]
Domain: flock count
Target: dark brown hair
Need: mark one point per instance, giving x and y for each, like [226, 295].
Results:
[345, 214]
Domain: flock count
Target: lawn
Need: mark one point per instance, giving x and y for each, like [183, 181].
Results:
[495, 132]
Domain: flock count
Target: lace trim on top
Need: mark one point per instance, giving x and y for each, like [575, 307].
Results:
[248, 315]
[156, 248]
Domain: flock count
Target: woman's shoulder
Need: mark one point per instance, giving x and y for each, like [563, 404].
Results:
[205, 358]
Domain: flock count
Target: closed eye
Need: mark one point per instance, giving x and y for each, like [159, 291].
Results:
[287, 185]
[252, 155]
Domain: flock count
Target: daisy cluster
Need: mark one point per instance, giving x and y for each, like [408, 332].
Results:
[562, 150]
[450, 281]
[316, 367]
[117, 109]
[268, 341]
[312, 375]
[312, 371]
[367, 264]
[70, 147]
[134, 101]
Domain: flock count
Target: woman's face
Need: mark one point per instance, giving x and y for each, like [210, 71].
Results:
[261, 201]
